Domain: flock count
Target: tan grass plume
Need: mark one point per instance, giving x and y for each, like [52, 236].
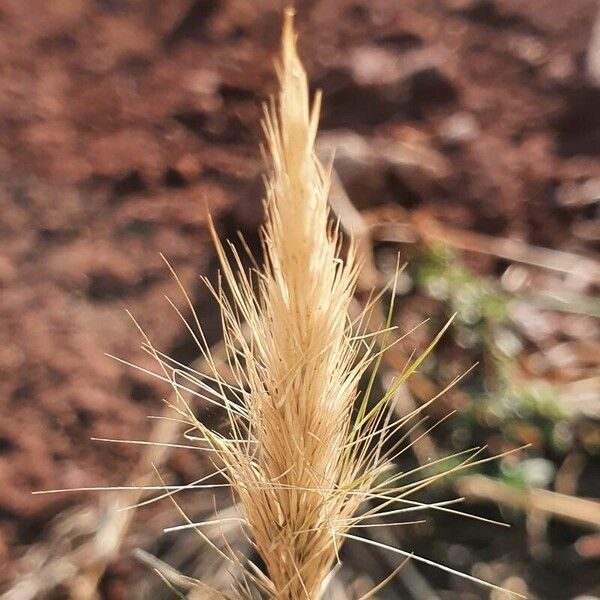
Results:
[303, 451]
[300, 366]
[293, 459]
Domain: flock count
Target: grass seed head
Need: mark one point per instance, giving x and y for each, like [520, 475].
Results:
[299, 365]
[301, 454]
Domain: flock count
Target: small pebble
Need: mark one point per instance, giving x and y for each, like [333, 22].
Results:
[528, 49]
[575, 194]
[458, 129]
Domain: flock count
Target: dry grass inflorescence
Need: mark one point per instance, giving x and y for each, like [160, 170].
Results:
[307, 456]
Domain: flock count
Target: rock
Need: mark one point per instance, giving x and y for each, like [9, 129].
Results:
[593, 54]
[458, 129]
[575, 194]
[528, 49]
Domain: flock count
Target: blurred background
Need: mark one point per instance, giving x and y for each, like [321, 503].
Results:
[467, 137]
